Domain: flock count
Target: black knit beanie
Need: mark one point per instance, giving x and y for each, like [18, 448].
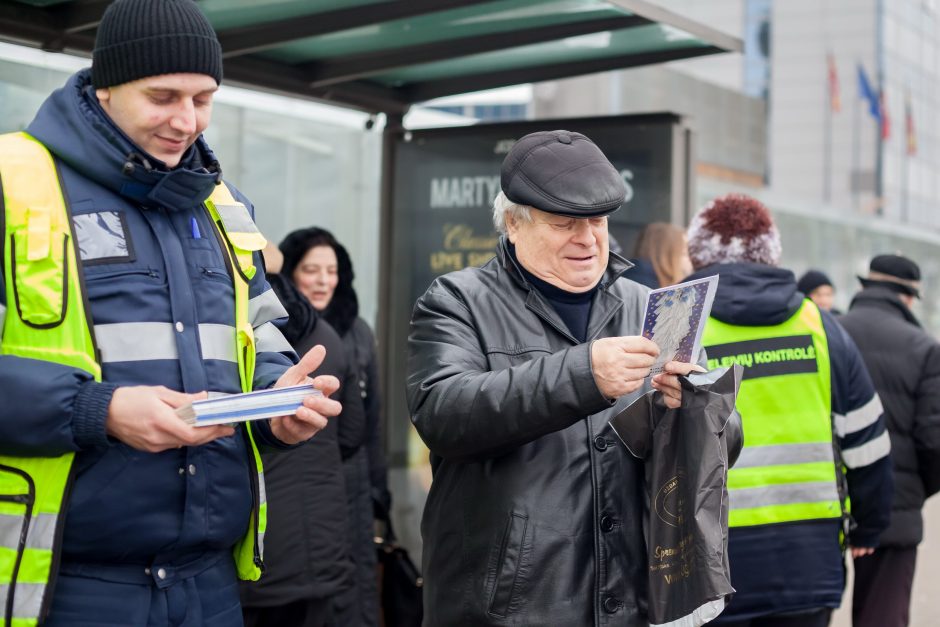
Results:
[811, 280]
[141, 38]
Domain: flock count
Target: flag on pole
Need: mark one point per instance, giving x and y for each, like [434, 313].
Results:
[909, 126]
[866, 92]
[885, 120]
[835, 101]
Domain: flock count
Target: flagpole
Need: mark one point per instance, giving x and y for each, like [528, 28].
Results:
[827, 141]
[880, 77]
[905, 176]
[904, 183]
[855, 178]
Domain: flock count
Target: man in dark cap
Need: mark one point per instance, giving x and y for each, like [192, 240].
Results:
[128, 288]
[816, 286]
[904, 362]
[535, 516]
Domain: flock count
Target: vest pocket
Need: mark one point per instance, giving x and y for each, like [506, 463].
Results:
[508, 564]
[40, 284]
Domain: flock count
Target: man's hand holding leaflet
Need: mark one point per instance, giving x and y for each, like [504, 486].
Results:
[147, 417]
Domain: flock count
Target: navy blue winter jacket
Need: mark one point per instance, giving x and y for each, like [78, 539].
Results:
[162, 306]
[798, 566]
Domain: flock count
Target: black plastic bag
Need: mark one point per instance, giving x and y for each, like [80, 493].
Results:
[401, 583]
[687, 453]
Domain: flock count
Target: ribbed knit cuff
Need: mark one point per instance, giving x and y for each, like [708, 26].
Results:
[265, 438]
[89, 414]
[863, 538]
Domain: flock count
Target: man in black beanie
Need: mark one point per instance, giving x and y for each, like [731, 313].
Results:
[129, 287]
[904, 362]
[817, 287]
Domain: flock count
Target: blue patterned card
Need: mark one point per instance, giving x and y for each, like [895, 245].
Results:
[675, 319]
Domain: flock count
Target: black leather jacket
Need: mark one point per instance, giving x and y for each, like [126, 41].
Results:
[535, 515]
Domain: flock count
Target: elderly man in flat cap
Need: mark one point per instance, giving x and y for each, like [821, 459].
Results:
[904, 362]
[535, 515]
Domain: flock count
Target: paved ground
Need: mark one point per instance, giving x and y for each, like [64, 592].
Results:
[925, 605]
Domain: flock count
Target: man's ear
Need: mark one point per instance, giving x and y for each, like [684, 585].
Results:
[512, 228]
[104, 96]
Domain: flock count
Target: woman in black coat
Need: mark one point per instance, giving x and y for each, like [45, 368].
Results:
[321, 269]
[306, 550]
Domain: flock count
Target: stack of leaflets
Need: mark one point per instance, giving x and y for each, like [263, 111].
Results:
[248, 406]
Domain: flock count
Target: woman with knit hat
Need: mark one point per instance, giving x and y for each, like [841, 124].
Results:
[787, 489]
[322, 270]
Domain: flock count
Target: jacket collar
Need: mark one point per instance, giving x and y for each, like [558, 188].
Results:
[74, 127]
[603, 308]
[885, 299]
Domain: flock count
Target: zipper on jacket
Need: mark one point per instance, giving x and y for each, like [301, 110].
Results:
[149, 272]
[213, 274]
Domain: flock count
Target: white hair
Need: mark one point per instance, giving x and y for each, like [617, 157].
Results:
[503, 206]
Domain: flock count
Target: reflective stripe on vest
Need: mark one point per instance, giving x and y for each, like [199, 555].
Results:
[265, 307]
[148, 341]
[787, 469]
[46, 319]
[232, 220]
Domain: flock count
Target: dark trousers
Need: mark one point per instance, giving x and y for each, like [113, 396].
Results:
[812, 618]
[199, 593]
[310, 613]
[882, 593]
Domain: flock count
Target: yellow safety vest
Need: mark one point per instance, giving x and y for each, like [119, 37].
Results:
[787, 468]
[46, 319]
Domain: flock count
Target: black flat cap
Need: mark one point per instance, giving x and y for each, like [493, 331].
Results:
[894, 271]
[564, 173]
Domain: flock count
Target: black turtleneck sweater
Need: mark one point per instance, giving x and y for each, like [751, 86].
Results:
[573, 307]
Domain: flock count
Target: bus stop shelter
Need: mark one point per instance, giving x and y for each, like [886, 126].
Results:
[383, 56]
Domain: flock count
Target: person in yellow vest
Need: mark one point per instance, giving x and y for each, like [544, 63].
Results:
[814, 430]
[129, 286]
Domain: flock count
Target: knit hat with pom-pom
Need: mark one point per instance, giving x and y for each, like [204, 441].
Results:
[733, 229]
